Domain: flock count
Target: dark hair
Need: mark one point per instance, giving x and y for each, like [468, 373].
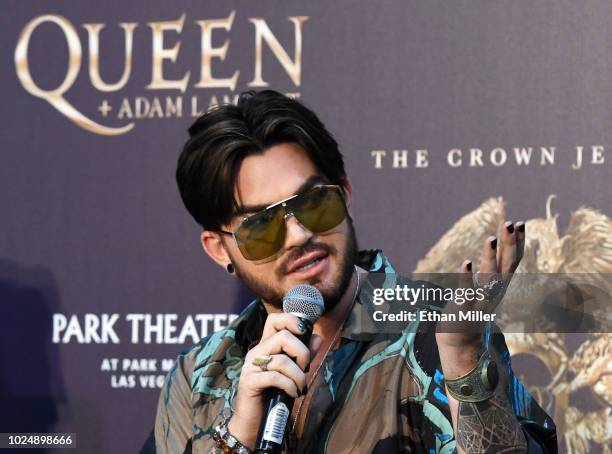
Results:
[221, 138]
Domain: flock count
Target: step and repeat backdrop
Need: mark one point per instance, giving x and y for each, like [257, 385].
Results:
[451, 116]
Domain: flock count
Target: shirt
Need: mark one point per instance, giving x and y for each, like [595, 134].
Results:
[377, 392]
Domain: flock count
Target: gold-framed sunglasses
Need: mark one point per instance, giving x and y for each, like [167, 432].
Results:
[262, 235]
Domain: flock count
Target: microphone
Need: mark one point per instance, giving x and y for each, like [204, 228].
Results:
[306, 302]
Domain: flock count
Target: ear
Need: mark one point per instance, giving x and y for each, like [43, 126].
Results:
[348, 192]
[214, 247]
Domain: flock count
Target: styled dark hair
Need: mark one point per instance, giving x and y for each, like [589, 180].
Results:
[221, 138]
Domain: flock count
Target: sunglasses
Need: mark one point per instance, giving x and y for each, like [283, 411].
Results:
[263, 234]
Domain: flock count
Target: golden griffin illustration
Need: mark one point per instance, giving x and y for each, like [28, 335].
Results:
[569, 374]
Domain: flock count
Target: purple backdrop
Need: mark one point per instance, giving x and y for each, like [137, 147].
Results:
[92, 223]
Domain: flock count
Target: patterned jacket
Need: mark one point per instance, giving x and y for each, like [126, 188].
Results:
[377, 392]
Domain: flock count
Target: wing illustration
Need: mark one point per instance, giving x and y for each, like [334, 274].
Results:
[585, 428]
[464, 239]
[587, 248]
[592, 367]
[588, 244]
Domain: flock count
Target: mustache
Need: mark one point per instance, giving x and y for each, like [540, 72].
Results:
[298, 251]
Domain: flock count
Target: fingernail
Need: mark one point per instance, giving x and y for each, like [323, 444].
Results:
[469, 266]
[299, 393]
[302, 327]
[307, 368]
[305, 390]
[510, 227]
[521, 227]
[493, 242]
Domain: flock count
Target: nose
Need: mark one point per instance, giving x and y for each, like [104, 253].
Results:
[297, 234]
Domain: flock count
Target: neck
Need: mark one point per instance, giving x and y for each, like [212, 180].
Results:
[328, 324]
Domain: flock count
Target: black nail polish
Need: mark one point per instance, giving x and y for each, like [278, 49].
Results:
[302, 327]
[510, 228]
[522, 227]
[494, 243]
[299, 393]
[469, 266]
[305, 390]
[307, 368]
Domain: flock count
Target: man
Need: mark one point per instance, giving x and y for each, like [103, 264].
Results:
[266, 182]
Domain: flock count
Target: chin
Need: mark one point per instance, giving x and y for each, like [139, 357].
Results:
[327, 284]
[332, 289]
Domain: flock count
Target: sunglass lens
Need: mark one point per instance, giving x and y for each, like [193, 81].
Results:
[320, 209]
[261, 235]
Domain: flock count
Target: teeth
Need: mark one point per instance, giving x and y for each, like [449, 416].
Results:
[308, 265]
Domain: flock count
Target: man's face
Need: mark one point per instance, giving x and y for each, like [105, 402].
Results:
[324, 260]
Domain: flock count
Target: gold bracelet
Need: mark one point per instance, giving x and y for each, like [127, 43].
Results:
[478, 384]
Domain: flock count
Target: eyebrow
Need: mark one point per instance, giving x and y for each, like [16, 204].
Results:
[308, 184]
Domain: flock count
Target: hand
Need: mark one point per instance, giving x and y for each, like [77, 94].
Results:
[279, 342]
[498, 262]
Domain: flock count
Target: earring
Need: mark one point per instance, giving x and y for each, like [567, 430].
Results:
[230, 268]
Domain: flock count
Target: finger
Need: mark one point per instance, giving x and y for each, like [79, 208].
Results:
[466, 266]
[273, 379]
[466, 274]
[284, 342]
[285, 365]
[507, 249]
[465, 280]
[520, 240]
[315, 344]
[279, 321]
[488, 260]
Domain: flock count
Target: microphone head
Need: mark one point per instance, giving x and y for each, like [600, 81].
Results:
[305, 300]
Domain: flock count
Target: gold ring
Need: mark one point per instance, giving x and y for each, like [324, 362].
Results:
[262, 362]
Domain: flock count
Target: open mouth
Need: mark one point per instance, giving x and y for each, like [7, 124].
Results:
[309, 264]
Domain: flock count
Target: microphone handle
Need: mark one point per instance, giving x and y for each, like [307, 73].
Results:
[277, 411]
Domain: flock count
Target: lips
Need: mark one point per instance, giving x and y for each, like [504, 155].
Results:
[305, 260]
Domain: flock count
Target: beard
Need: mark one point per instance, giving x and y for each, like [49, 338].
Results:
[271, 294]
